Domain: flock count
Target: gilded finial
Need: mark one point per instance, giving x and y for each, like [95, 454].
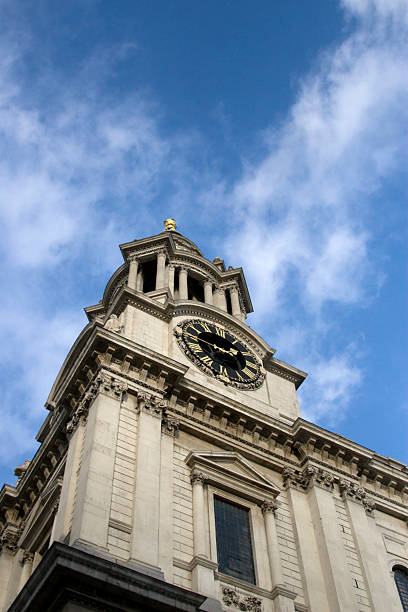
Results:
[170, 225]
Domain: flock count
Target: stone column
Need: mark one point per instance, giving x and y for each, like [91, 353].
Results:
[183, 288]
[220, 299]
[132, 277]
[236, 309]
[282, 597]
[171, 279]
[268, 510]
[307, 546]
[370, 548]
[161, 266]
[208, 293]
[202, 567]
[199, 536]
[93, 493]
[146, 506]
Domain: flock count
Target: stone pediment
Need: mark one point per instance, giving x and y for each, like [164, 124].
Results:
[229, 470]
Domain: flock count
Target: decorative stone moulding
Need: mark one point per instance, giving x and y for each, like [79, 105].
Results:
[103, 382]
[170, 426]
[358, 494]
[232, 598]
[311, 475]
[151, 404]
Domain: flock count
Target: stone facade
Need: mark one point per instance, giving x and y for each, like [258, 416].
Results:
[139, 440]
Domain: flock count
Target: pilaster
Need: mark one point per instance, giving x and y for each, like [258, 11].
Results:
[370, 548]
[8, 548]
[308, 551]
[169, 431]
[330, 545]
[94, 488]
[146, 504]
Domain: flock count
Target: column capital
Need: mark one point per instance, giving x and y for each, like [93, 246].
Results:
[357, 493]
[9, 538]
[170, 426]
[317, 476]
[151, 404]
[269, 507]
[28, 557]
[310, 476]
[197, 477]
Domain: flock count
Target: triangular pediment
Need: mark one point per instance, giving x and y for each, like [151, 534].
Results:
[229, 469]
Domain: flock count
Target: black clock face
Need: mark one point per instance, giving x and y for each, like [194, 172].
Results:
[218, 351]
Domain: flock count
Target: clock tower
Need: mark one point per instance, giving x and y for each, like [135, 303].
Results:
[175, 473]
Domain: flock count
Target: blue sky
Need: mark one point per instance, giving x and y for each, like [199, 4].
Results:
[274, 132]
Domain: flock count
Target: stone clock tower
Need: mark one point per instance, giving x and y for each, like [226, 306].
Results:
[175, 473]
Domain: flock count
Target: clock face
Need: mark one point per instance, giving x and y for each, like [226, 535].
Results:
[218, 352]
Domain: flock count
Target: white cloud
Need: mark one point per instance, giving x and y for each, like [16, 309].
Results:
[304, 212]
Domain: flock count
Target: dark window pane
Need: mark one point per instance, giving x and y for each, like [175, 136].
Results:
[401, 580]
[234, 548]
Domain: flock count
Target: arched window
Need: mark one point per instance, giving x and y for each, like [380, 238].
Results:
[401, 580]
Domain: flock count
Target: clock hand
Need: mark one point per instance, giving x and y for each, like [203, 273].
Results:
[218, 348]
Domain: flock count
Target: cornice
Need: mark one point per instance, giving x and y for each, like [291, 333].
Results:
[269, 442]
[97, 339]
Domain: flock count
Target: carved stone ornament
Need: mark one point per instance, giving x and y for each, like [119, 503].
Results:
[197, 477]
[230, 597]
[151, 404]
[317, 476]
[28, 557]
[113, 324]
[109, 385]
[357, 493]
[9, 538]
[103, 383]
[269, 506]
[310, 476]
[170, 425]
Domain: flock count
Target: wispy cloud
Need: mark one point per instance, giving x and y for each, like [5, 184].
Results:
[76, 161]
[305, 211]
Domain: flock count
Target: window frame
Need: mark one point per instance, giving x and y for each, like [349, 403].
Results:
[231, 477]
[404, 569]
[254, 532]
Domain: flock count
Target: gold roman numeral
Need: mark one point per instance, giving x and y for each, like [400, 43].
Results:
[220, 332]
[223, 370]
[247, 372]
[207, 360]
[205, 327]
[195, 346]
